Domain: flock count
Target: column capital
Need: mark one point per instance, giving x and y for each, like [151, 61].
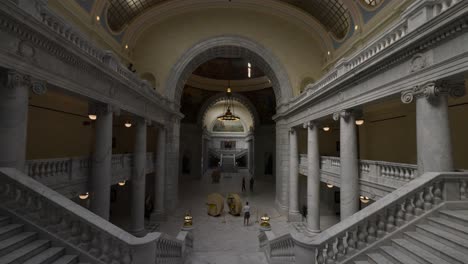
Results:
[292, 130]
[103, 108]
[433, 89]
[13, 79]
[310, 124]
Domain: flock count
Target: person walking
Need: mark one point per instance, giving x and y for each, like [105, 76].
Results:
[243, 183]
[251, 183]
[246, 211]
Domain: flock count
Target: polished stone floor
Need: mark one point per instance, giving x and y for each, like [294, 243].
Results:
[224, 239]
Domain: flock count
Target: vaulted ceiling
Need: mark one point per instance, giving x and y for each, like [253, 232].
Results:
[332, 14]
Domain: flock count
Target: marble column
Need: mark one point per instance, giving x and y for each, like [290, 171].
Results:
[434, 146]
[249, 155]
[101, 174]
[293, 215]
[14, 91]
[313, 178]
[349, 176]
[282, 166]
[138, 190]
[160, 175]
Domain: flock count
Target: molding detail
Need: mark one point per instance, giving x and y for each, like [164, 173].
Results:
[39, 87]
[418, 62]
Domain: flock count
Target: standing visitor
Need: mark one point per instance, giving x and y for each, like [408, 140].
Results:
[243, 183]
[246, 211]
[251, 183]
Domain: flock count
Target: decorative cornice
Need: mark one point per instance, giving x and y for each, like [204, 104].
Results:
[432, 89]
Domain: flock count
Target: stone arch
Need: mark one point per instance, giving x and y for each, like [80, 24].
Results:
[231, 47]
[235, 96]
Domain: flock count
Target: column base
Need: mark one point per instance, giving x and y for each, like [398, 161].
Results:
[313, 231]
[294, 217]
[158, 217]
[138, 233]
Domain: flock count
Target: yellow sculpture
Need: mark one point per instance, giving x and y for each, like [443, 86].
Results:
[235, 203]
[215, 202]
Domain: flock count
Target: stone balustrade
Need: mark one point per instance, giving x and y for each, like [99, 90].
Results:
[277, 249]
[359, 232]
[94, 237]
[377, 178]
[69, 175]
[383, 42]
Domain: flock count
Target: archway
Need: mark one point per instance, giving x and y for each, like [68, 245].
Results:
[230, 47]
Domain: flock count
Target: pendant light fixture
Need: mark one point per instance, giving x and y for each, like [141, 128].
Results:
[228, 109]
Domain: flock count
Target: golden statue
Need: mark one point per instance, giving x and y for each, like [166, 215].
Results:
[215, 202]
[235, 203]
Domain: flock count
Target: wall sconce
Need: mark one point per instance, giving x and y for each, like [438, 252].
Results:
[326, 129]
[329, 185]
[98, 18]
[364, 199]
[359, 122]
[127, 124]
[92, 116]
[84, 196]
[121, 183]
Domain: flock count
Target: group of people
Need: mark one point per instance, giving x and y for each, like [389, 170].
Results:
[251, 184]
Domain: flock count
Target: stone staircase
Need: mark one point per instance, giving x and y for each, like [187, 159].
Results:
[441, 239]
[20, 245]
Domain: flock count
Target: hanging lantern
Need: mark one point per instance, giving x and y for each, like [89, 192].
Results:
[188, 220]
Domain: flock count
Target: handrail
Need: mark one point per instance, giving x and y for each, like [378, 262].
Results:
[384, 216]
[88, 233]
[52, 172]
[73, 223]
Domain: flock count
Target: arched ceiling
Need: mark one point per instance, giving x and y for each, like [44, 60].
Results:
[332, 14]
[228, 69]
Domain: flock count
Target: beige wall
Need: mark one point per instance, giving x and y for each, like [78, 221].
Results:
[58, 127]
[389, 133]
[162, 45]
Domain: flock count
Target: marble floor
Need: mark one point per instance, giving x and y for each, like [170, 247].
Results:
[224, 239]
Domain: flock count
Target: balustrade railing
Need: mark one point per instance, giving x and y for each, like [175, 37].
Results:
[94, 237]
[374, 47]
[418, 198]
[55, 172]
[278, 250]
[367, 168]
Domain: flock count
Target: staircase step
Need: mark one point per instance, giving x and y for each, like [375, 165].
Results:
[362, 262]
[4, 220]
[444, 251]
[458, 216]
[10, 230]
[25, 252]
[398, 255]
[448, 238]
[422, 255]
[67, 259]
[47, 256]
[12, 243]
[378, 258]
[449, 226]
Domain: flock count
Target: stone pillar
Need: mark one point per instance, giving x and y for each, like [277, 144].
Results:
[172, 163]
[349, 190]
[434, 146]
[294, 215]
[249, 155]
[138, 190]
[101, 174]
[14, 91]
[282, 166]
[313, 178]
[160, 175]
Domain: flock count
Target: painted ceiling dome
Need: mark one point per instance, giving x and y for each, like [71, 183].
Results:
[332, 14]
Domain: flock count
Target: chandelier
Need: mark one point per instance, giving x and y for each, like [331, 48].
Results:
[228, 109]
